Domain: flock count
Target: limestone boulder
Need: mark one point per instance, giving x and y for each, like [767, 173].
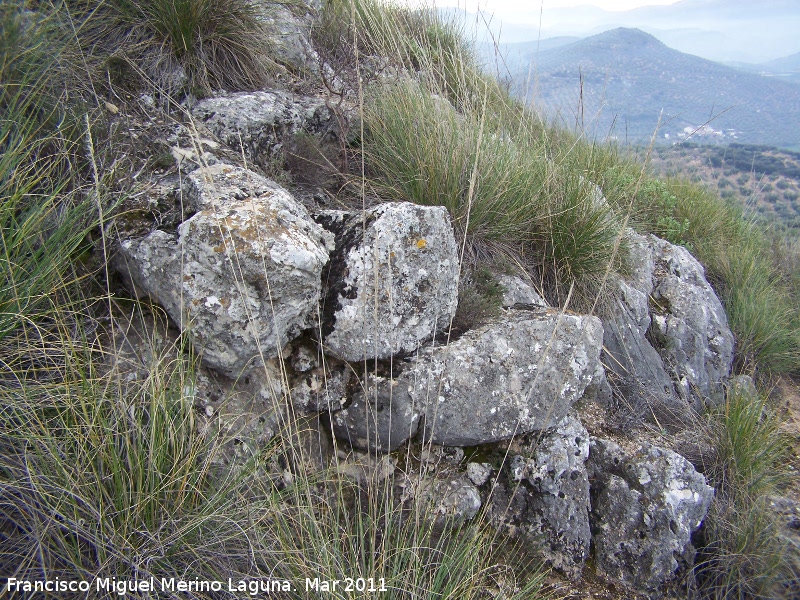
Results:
[259, 124]
[667, 339]
[290, 34]
[517, 375]
[446, 501]
[381, 416]
[557, 502]
[242, 275]
[645, 506]
[242, 415]
[519, 291]
[689, 325]
[392, 279]
[322, 389]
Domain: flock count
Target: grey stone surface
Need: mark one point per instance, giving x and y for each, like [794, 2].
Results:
[689, 325]
[667, 340]
[242, 275]
[448, 501]
[261, 123]
[393, 279]
[321, 389]
[558, 495]
[636, 365]
[645, 507]
[242, 415]
[518, 291]
[744, 385]
[479, 473]
[289, 36]
[380, 418]
[518, 375]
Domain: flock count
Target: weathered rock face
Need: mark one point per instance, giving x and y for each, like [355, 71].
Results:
[557, 503]
[244, 415]
[645, 507]
[635, 363]
[667, 338]
[290, 36]
[393, 279]
[260, 123]
[519, 375]
[381, 417]
[321, 389]
[689, 326]
[242, 275]
[447, 501]
[517, 291]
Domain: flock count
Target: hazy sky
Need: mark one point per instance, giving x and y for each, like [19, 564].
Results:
[525, 6]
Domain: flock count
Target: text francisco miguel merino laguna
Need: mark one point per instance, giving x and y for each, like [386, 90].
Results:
[252, 587]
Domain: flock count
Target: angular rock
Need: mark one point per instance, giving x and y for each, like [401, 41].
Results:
[518, 375]
[289, 36]
[450, 501]
[242, 275]
[479, 473]
[260, 123]
[667, 339]
[243, 414]
[381, 417]
[689, 326]
[517, 291]
[393, 279]
[558, 495]
[636, 365]
[645, 507]
[364, 469]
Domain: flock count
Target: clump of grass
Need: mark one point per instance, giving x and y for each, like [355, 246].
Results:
[181, 45]
[90, 476]
[351, 31]
[743, 556]
[499, 185]
[480, 298]
[43, 220]
[361, 530]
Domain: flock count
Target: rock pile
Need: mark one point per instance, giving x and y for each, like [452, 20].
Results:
[346, 315]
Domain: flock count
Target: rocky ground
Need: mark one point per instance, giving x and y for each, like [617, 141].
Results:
[575, 432]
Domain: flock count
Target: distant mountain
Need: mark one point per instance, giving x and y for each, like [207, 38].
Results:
[620, 82]
[720, 30]
[786, 68]
[786, 63]
[496, 55]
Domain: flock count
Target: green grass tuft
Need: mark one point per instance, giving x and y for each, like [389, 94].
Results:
[744, 557]
[181, 45]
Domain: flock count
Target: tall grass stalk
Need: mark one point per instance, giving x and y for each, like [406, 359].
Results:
[744, 556]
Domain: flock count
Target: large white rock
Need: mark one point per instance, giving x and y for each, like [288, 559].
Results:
[518, 375]
[690, 327]
[242, 275]
[645, 506]
[260, 123]
[393, 279]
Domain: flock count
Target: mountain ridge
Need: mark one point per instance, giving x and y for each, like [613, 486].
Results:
[625, 81]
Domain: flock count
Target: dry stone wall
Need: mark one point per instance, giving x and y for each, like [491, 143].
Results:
[344, 316]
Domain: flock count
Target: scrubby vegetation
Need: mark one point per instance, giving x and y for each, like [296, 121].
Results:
[102, 476]
[764, 181]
